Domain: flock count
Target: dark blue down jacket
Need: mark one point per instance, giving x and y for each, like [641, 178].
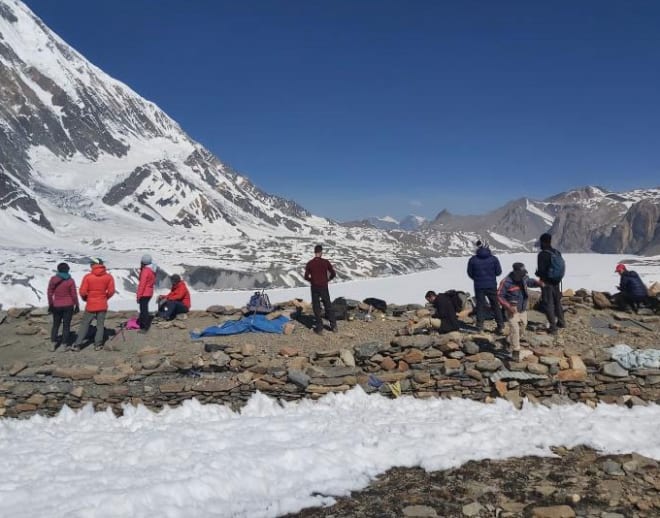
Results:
[483, 268]
[632, 286]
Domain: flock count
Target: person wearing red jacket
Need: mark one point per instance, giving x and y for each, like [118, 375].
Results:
[177, 301]
[319, 272]
[145, 290]
[62, 303]
[96, 289]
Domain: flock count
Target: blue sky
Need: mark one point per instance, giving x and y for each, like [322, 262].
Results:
[360, 108]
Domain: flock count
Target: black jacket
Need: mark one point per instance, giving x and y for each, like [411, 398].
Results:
[444, 310]
[543, 266]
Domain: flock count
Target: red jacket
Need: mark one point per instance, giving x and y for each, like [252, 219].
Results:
[96, 288]
[179, 292]
[62, 293]
[318, 272]
[146, 283]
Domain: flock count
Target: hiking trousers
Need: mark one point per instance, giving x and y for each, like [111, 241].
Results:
[517, 326]
[551, 297]
[171, 309]
[426, 323]
[322, 295]
[491, 294]
[61, 316]
[84, 327]
[144, 319]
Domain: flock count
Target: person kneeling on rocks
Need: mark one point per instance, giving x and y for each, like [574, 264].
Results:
[444, 318]
[632, 291]
[176, 302]
[513, 296]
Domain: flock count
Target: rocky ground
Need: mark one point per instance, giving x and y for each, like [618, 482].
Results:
[577, 482]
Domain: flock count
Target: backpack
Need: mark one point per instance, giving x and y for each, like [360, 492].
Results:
[557, 267]
[132, 323]
[340, 308]
[378, 304]
[259, 303]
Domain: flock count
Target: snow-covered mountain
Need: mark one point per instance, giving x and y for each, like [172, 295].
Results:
[410, 222]
[88, 167]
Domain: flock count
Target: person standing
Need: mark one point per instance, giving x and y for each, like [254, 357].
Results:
[96, 289]
[62, 303]
[145, 290]
[483, 268]
[319, 272]
[177, 301]
[512, 294]
[550, 269]
[632, 290]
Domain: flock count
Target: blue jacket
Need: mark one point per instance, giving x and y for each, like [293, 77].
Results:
[632, 286]
[483, 268]
[514, 294]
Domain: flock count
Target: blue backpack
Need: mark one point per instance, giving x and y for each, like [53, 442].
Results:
[259, 303]
[557, 267]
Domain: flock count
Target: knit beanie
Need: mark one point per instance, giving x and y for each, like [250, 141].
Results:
[63, 268]
[146, 259]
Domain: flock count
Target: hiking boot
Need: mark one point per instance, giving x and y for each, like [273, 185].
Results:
[53, 347]
[499, 331]
[318, 331]
[561, 325]
[334, 329]
[515, 356]
[98, 347]
[553, 331]
[75, 348]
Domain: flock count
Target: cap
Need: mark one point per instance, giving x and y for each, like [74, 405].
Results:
[620, 268]
[146, 259]
[518, 266]
[96, 260]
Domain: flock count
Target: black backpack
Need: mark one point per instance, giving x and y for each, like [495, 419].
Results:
[340, 308]
[378, 304]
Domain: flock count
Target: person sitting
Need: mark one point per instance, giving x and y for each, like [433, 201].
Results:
[632, 290]
[444, 318]
[176, 302]
[513, 296]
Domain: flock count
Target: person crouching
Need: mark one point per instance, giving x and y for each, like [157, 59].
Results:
[176, 302]
[513, 296]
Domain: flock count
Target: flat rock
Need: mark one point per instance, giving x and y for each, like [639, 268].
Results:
[614, 369]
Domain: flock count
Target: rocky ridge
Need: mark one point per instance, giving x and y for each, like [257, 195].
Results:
[164, 367]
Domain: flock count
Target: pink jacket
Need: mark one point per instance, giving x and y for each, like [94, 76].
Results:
[62, 293]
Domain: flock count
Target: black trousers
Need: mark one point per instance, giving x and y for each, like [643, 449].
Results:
[491, 294]
[551, 297]
[62, 316]
[144, 319]
[322, 295]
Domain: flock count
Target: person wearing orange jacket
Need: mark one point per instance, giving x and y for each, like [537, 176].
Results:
[145, 291]
[177, 301]
[96, 289]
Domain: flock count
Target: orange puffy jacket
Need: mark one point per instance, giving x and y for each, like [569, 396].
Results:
[146, 283]
[96, 288]
[179, 292]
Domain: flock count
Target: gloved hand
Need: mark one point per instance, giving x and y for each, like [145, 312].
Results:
[76, 309]
[50, 308]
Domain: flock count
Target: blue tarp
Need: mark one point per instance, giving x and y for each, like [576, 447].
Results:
[253, 323]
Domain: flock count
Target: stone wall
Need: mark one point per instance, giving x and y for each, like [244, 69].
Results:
[454, 365]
